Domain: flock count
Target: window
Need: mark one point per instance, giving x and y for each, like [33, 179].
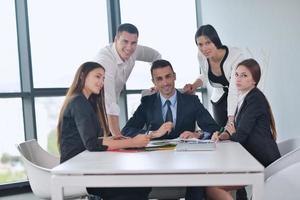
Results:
[133, 101]
[47, 112]
[63, 35]
[61, 41]
[9, 76]
[162, 27]
[12, 132]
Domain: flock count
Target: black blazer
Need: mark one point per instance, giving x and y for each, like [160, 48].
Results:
[148, 116]
[253, 128]
[80, 129]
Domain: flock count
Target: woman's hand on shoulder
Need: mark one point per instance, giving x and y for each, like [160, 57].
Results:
[191, 88]
[188, 88]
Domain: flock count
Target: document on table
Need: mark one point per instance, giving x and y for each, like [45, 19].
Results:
[201, 145]
[184, 144]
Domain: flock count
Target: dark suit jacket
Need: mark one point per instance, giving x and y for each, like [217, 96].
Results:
[189, 111]
[80, 129]
[253, 128]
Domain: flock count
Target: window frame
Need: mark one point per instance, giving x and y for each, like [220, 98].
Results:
[28, 93]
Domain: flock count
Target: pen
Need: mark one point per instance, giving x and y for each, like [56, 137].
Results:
[221, 130]
[148, 129]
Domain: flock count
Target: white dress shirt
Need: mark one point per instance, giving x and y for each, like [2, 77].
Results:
[173, 106]
[241, 99]
[117, 72]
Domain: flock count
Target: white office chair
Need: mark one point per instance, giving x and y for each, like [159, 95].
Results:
[38, 164]
[288, 145]
[284, 184]
[282, 179]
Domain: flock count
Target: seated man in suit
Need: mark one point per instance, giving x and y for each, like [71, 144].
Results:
[170, 114]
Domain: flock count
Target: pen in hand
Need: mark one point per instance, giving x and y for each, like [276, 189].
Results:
[148, 129]
[221, 131]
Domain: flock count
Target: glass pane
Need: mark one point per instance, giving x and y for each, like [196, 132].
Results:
[47, 111]
[133, 101]
[63, 35]
[9, 68]
[12, 132]
[163, 26]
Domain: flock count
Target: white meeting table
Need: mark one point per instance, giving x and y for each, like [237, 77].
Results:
[229, 164]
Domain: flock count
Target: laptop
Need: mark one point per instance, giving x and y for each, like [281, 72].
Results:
[205, 145]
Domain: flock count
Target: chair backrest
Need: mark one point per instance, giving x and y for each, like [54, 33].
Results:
[283, 162]
[284, 184]
[34, 153]
[288, 145]
[282, 179]
[38, 164]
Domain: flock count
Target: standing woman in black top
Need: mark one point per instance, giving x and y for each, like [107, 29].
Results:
[83, 121]
[217, 65]
[254, 125]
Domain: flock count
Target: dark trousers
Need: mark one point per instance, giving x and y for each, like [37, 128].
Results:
[194, 193]
[220, 110]
[120, 193]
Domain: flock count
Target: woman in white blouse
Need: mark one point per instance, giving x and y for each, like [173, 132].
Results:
[217, 64]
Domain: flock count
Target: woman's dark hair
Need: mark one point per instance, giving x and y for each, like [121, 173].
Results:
[254, 68]
[97, 100]
[210, 32]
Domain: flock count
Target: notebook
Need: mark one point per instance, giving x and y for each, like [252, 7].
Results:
[205, 145]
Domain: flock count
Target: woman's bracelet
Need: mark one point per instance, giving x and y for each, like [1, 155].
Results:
[227, 133]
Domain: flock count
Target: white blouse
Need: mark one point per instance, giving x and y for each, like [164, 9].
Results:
[235, 56]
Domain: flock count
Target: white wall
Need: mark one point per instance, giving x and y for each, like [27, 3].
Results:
[271, 30]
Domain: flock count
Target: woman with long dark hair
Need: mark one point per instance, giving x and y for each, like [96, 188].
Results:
[83, 126]
[254, 124]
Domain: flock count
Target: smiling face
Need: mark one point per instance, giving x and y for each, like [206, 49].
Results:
[206, 46]
[164, 80]
[244, 79]
[126, 44]
[94, 82]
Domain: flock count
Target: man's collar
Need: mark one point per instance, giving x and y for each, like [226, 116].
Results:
[173, 99]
